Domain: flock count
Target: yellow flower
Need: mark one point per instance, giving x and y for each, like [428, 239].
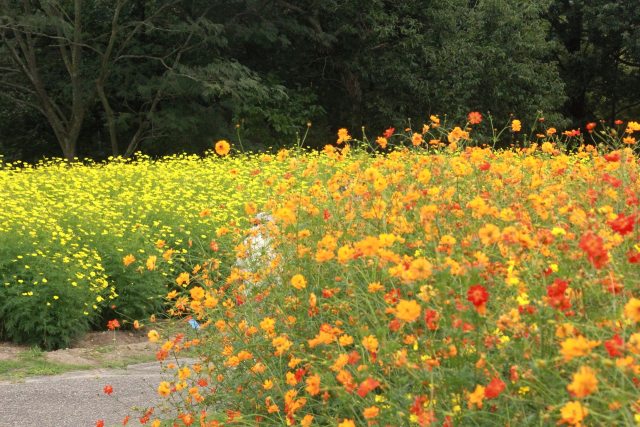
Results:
[298, 281]
[153, 335]
[584, 382]
[516, 125]
[408, 311]
[222, 147]
[347, 423]
[573, 413]
[267, 384]
[164, 389]
[632, 310]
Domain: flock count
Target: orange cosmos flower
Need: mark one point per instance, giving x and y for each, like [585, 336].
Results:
[313, 385]
[371, 412]
[128, 260]
[584, 382]
[573, 413]
[474, 118]
[222, 147]
[298, 281]
[417, 139]
[370, 343]
[408, 311]
[112, 325]
[343, 135]
[632, 310]
[516, 125]
[577, 347]
[382, 141]
[347, 423]
[476, 398]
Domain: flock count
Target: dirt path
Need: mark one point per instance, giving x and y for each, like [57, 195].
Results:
[75, 398]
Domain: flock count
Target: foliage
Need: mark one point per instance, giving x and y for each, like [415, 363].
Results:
[63, 243]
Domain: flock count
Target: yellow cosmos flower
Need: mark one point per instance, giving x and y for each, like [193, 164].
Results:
[584, 382]
[573, 413]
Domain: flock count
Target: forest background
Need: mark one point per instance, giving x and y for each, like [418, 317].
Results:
[104, 78]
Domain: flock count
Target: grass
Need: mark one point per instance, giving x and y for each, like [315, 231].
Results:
[33, 363]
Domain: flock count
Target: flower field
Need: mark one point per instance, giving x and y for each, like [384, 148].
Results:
[420, 279]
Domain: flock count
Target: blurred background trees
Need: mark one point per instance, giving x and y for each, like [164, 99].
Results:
[110, 77]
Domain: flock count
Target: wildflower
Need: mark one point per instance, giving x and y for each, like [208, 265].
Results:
[370, 342]
[183, 279]
[313, 384]
[593, 245]
[573, 413]
[343, 135]
[632, 310]
[551, 131]
[389, 133]
[382, 142]
[435, 121]
[478, 296]
[622, 224]
[417, 139]
[151, 262]
[100, 423]
[474, 118]
[577, 347]
[153, 335]
[222, 147]
[112, 325]
[164, 389]
[371, 412]
[128, 260]
[584, 382]
[298, 281]
[591, 126]
[367, 386]
[614, 346]
[476, 398]
[408, 311]
[494, 388]
[347, 423]
[516, 125]
[197, 293]
[456, 135]
[108, 389]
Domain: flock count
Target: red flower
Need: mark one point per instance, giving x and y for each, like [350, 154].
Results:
[107, 389]
[623, 224]
[477, 295]
[591, 126]
[113, 324]
[389, 132]
[100, 423]
[125, 421]
[431, 318]
[611, 180]
[556, 294]
[614, 156]
[618, 122]
[367, 386]
[633, 257]
[614, 346]
[593, 245]
[474, 118]
[494, 388]
[485, 166]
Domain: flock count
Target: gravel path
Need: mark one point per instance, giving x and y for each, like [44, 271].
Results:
[76, 399]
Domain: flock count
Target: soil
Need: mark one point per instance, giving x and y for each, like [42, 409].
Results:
[94, 349]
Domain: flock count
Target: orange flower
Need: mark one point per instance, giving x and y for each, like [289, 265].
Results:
[222, 147]
[475, 399]
[370, 343]
[313, 385]
[573, 413]
[417, 139]
[577, 347]
[112, 325]
[298, 281]
[128, 260]
[632, 310]
[347, 423]
[343, 135]
[371, 412]
[382, 141]
[474, 118]
[408, 311]
[584, 382]
[516, 126]
[494, 388]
